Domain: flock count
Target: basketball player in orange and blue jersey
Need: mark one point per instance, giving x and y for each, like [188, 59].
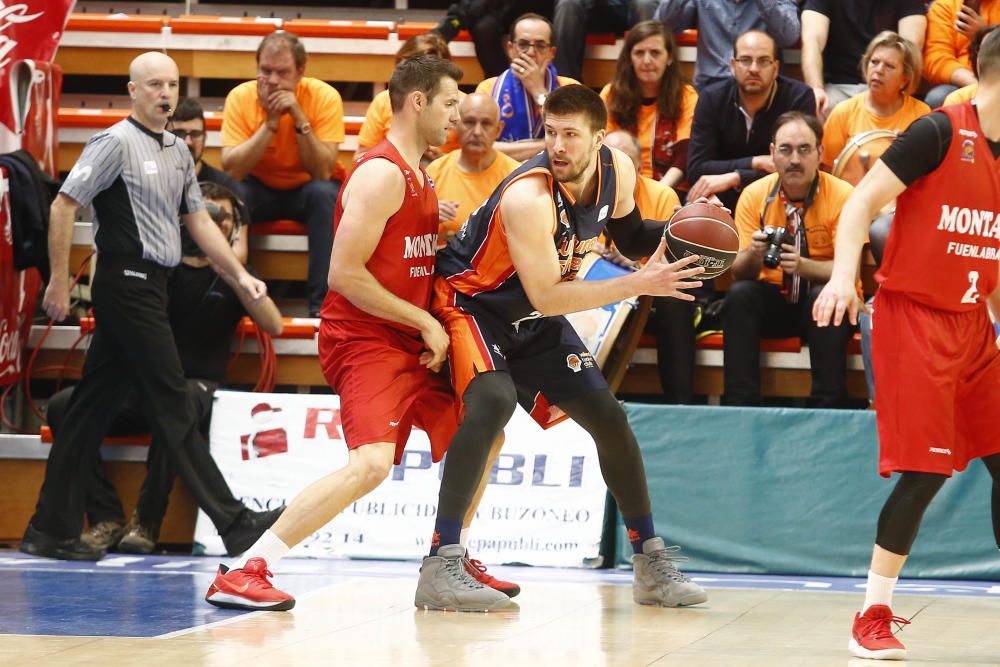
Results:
[505, 282]
[379, 347]
[935, 358]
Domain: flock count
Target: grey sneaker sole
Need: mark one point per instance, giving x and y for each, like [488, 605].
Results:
[499, 604]
[686, 601]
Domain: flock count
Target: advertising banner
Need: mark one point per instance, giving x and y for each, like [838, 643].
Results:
[544, 504]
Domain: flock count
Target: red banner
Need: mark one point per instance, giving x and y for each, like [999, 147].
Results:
[18, 293]
[29, 83]
[31, 29]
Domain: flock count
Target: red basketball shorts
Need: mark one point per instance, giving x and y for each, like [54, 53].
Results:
[383, 389]
[937, 376]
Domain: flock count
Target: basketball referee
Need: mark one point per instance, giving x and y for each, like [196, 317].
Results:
[140, 180]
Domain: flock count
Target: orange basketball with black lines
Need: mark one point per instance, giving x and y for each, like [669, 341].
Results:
[705, 230]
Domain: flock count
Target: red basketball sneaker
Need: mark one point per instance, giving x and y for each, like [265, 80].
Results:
[872, 635]
[478, 572]
[247, 588]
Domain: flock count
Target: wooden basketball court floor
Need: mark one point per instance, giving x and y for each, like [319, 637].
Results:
[148, 611]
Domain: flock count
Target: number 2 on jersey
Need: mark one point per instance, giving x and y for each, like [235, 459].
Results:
[972, 294]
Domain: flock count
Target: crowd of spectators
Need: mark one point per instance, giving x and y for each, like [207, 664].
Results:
[864, 65]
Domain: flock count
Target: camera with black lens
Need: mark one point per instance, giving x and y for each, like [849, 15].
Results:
[775, 237]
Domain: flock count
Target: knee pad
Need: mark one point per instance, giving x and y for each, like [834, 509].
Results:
[899, 521]
[491, 395]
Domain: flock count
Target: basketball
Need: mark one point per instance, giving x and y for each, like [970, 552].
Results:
[705, 230]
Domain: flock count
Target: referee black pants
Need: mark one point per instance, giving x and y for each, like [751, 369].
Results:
[132, 350]
[103, 502]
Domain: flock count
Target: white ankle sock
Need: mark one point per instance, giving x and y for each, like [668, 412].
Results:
[879, 590]
[464, 538]
[269, 547]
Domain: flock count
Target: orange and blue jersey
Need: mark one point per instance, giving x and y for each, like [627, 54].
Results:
[477, 265]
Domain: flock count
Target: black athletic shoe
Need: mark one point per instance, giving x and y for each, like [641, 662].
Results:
[248, 528]
[37, 543]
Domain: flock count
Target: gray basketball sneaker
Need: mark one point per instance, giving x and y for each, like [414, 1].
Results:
[657, 581]
[445, 585]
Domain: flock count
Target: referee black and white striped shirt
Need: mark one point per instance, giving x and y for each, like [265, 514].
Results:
[139, 182]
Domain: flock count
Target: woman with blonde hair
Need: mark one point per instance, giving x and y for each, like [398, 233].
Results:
[379, 114]
[891, 67]
[650, 98]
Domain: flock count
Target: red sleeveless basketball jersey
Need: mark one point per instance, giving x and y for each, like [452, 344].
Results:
[403, 261]
[943, 247]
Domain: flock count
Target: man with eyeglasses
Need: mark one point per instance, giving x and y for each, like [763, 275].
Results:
[734, 119]
[787, 222]
[520, 91]
[188, 124]
[718, 21]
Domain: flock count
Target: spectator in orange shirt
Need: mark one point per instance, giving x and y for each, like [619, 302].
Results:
[951, 25]
[650, 98]
[521, 89]
[891, 67]
[378, 118]
[466, 178]
[281, 133]
[672, 323]
[774, 300]
[969, 92]
[835, 34]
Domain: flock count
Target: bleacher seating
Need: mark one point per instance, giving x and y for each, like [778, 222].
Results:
[785, 362]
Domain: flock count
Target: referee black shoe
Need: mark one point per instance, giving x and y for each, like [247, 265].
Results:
[247, 529]
[37, 543]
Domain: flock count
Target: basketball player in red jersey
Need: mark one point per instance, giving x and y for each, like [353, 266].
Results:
[505, 282]
[379, 347]
[935, 360]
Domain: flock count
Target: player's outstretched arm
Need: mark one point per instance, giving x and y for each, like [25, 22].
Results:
[373, 195]
[529, 219]
[839, 296]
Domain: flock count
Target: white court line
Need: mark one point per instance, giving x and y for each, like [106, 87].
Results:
[216, 624]
[241, 617]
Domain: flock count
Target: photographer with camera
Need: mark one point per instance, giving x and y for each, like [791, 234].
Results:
[787, 222]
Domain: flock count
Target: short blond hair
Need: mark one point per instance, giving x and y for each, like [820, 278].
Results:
[913, 62]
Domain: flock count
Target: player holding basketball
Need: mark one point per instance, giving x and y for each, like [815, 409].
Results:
[379, 348]
[937, 366]
[506, 280]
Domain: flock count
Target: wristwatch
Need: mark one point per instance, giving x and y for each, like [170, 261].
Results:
[540, 99]
[304, 128]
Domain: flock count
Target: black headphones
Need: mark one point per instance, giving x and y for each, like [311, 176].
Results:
[218, 214]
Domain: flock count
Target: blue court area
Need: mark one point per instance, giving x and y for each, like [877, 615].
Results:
[153, 596]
